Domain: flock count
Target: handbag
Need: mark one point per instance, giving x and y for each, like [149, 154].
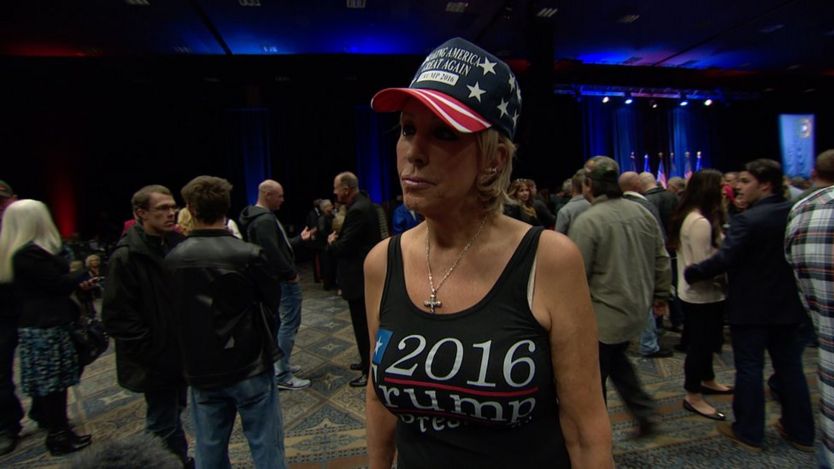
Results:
[89, 337]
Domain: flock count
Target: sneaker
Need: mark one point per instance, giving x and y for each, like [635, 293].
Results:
[295, 369]
[294, 384]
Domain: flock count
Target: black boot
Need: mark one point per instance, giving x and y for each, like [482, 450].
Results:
[65, 442]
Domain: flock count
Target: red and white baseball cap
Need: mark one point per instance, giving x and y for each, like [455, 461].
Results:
[463, 85]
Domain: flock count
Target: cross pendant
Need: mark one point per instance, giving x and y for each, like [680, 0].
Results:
[433, 302]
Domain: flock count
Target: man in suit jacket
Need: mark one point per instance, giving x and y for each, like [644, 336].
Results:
[763, 309]
[359, 233]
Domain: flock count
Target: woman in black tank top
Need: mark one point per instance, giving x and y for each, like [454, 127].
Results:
[484, 342]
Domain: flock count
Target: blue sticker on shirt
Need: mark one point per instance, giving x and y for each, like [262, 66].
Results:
[383, 336]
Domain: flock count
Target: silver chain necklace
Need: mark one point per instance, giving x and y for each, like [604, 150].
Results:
[432, 303]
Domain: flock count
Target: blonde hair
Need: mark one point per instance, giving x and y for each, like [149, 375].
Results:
[89, 260]
[25, 221]
[185, 221]
[492, 188]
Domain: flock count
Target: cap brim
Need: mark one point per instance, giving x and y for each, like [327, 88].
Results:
[451, 111]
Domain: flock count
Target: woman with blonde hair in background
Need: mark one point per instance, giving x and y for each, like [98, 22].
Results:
[30, 258]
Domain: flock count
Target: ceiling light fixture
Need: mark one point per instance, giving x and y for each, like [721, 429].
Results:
[629, 101]
[547, 12]
[356, 4]
[708, 102]
[606, 99]
[654, 105]
[456, 7]
[684, 103]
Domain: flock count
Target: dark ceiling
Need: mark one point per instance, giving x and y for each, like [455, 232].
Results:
[794, 36]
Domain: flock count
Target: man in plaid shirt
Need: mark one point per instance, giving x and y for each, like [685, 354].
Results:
[809, 249]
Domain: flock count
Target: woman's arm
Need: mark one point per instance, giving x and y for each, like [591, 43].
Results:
[380, 424]
[561, 302]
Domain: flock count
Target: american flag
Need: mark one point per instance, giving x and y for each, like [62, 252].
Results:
[661, 175]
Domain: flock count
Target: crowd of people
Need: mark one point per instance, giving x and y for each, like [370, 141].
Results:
[497, 314]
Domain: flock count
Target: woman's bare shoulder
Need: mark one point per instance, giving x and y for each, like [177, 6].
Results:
[377, 258]
[558, 254]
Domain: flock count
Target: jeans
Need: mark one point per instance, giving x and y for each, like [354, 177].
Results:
[785, 348]
[290, 313]
[256, 400]
[162, 419]
[613, 362]
[648, 338]
[10, 409]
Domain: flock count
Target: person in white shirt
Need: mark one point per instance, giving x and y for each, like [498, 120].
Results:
[695, 232]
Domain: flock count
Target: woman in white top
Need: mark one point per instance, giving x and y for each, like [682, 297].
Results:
[696, 235]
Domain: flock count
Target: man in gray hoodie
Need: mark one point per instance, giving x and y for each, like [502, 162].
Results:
[260, 226]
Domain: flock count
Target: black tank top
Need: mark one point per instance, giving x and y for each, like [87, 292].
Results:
[473, 388]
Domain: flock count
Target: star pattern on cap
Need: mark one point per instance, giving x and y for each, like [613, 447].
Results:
[489, 67]
[503, 108]
[475, 91]
[491, 98]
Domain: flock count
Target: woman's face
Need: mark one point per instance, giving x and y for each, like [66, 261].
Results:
[438, 166]
[523, 194]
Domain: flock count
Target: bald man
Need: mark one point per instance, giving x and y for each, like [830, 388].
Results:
[260, 226]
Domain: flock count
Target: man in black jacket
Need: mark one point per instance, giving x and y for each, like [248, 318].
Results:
[137, 313]
[763, 309]
[260, 226]
[224, 305]
[360, 232]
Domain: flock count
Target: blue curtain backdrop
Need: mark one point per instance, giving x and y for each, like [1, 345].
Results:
[617, 130]
[374, 162]
[598, 122]
[249, 143]
[626, 138]
[691, 132]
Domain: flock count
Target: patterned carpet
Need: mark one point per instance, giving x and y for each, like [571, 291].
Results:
[325, 423]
